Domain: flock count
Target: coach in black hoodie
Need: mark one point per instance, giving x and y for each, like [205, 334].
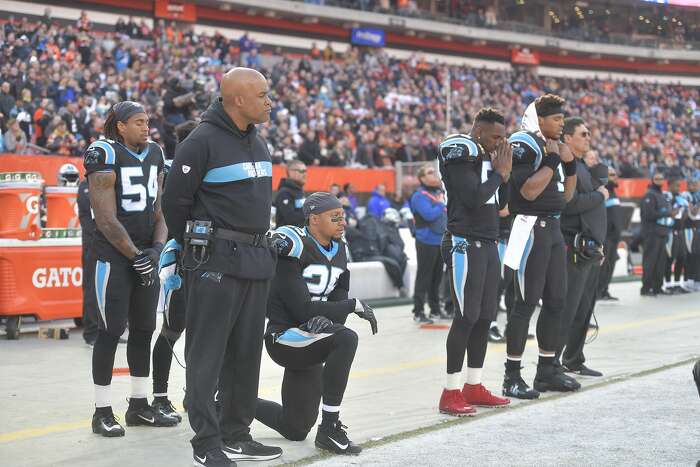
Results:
[222, 173]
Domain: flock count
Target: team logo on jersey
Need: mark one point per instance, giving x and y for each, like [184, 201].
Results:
[455, 152]
[92, 156]
[186, 169]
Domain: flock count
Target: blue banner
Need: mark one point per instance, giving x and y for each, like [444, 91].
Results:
[368, 36]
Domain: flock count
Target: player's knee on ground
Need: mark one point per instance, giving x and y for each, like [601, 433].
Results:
[170, 334]
[298, 433]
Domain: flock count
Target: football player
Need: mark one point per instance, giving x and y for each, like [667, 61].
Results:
[307, 309]
[125, 176]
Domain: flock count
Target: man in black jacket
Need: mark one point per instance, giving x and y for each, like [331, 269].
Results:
[290, 197]
[583, 225]
[87, 226]
[615, 217]
[222, 174]
[657, 219]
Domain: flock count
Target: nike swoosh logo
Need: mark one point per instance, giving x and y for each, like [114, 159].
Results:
[149, 420]
[110, 428]
[200, 459]
[341, 446]
[237, 451]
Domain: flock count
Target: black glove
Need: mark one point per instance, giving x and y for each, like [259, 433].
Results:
[365, 311]
[280, 244]
[317, 325]
[146, 268]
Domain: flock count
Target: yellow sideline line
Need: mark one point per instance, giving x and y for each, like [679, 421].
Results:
[360, 374]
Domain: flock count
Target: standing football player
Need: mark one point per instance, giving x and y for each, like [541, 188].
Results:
[307, 309]
[125, 175]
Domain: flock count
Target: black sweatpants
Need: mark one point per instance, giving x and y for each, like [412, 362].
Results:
[474, 269]
[428, 277]
[608, 267]
[573, 353]
[225, 320]
[315, 366]
[579, 286]
[90, 326]
[541, 275]
[653, 261]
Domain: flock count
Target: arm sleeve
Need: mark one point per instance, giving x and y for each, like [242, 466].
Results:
[467, 186]
[427, 210]
[503, 195]
[297, 300]
[184, 179]
[99, 156]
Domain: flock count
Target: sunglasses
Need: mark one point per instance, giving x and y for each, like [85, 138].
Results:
[301, 171]
[585, 134]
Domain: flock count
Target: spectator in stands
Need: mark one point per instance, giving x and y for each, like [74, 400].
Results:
[349, 190]
[310, 150]
[290, 197]
[335, 190]
[253, 60]
[15, 141]
[61, 141]
[378, 202]
[7, 100]
[430, 217]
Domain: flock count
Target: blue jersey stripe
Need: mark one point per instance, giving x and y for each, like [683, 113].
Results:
[238, 172]
[298, 245]
[473, 149]
[110, 157]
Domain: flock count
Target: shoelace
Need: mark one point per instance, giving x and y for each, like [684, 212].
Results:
[110, 421]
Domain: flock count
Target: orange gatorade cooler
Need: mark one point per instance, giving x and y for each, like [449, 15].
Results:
[62, 207]
[19, 210]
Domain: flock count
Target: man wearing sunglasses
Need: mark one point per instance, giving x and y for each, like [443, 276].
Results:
[290, 197]
[307, 310]
[584, 225]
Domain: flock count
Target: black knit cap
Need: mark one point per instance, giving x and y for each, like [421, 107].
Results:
[320, 202]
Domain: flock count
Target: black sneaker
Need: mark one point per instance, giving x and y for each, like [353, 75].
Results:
[250, 451]
[548, 379]
[495, 335]
[647, 293]
[106, 424]
[212, 458]
[165, 407]
[334, 438]
[515, 386]
[147, 416]
[582, 370]
[422, 319]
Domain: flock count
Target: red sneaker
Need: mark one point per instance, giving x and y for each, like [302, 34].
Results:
[477, 394]
[452, 403]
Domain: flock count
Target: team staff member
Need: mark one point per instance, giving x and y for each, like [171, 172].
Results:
[222, 174]
[583, 219]
[677, 248]
[657, 219]
[613, 236]
[87, 228]
[475, 169]
[307, 308]
[125, 176]
[173, 321]
[543, 180]
[430, 215]
[290, 197]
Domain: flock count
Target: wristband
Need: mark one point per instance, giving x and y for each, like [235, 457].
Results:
[358, 306]
[569, 168]
[551, 160]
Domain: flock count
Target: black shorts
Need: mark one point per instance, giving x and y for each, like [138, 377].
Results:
[174, 314]
[121, 298]
[542, 272]
[474, 269]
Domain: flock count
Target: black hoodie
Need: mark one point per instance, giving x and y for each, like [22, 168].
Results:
[220, 174]
[288, 203]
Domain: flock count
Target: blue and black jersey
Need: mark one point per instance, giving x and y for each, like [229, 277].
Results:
[528, 152]
[136, 189]
[475, 192]
[312, 280]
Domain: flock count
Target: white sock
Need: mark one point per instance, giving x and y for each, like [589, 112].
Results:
[103, 396]
[330, 408]
[162, 394]
[139, 387]
[454, 381]
[474, 375]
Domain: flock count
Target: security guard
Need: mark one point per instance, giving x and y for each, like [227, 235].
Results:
[583, 223]
[657, 219]
[217, 205]
[615, 218]
[475, 169]
[290, 197]
[543, 180]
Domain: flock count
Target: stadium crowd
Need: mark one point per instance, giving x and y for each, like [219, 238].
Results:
[336, 108]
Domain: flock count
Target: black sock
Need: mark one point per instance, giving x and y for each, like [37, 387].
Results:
[160, 399]
[329, 418]
[545, 360]
[137, 404]
[104, 411]
[513, 366]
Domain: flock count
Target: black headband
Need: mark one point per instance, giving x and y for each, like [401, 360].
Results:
[320, 202]
[123, 111]
[557, 109]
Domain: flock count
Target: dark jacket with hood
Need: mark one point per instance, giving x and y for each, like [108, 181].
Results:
[288, 203]
[223, 175]
[585, 212]
[655, 212]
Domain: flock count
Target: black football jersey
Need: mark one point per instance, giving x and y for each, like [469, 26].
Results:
[321, 268]
[136, 188]
[474, 191]
[528, 151]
